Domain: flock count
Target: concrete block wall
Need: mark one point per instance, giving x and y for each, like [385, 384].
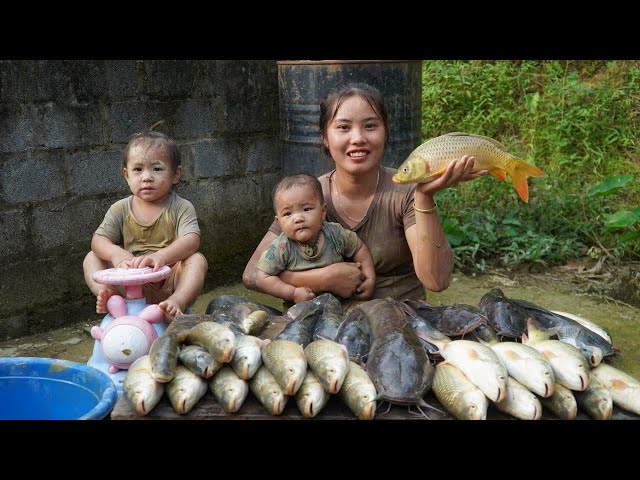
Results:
[63, 126]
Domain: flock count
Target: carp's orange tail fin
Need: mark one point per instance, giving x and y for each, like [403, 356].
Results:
[522, 170]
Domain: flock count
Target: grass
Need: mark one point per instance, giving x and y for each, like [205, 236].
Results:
[576, 120]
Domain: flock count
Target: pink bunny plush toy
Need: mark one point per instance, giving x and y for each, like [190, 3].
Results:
[127, 337]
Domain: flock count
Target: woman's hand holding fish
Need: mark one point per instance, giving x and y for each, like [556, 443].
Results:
[457, 171]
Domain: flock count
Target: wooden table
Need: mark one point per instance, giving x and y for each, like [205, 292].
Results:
[208, 409]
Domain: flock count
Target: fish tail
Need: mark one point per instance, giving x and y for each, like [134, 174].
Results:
[519, 173]
[499, 173]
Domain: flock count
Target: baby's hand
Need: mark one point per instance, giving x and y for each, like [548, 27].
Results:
[302, 294]
[155, 260]
[365, 290]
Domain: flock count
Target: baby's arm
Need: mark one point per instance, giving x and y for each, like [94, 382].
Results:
[339, 278]
[272, 285]
[108, 251]
[368, 285]
[181, 249]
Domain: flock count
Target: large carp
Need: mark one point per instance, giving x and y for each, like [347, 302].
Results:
[141, 390]
[430, 160]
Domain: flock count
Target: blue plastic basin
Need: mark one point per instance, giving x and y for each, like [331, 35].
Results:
[33, 388]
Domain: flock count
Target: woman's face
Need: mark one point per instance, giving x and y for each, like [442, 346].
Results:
[356, 136]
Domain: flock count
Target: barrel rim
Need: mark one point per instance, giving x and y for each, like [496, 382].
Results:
[340, 62]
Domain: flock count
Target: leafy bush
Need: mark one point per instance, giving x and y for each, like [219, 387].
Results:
[576, 120]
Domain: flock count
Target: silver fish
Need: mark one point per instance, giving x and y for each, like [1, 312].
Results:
[185, 389]
[141, 390]
[229, 389]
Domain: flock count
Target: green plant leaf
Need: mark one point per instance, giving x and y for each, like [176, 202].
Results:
[610, 185]
[621, 219]
[629, 236]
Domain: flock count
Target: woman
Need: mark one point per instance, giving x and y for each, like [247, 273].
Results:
[409, 248]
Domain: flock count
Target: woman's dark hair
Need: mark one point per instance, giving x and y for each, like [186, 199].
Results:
[153, 138]
[297, 180]
[329, 107]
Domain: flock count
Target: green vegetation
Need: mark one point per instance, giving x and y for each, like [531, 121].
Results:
[579, 121]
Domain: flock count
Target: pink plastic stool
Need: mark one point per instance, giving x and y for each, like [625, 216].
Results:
[131, 326]
[131, 278]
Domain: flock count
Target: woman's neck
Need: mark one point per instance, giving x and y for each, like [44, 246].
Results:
[353, 186]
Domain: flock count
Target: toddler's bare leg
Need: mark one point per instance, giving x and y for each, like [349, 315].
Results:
[90, 265]
[189, 281]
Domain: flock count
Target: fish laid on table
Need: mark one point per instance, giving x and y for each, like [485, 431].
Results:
[227, 301]
[311, 396]
[359, 393]
[562, 403]
[570, 367]
[526, 365]
[479, 363]
[141, 390]
[330, 363]
[164, 357]
[219, 340]
[597, 329]
[458, 394]
[454, 320]
[248, 355]
[397, 363]
[303, 318]
[430, 160]
[229, 389]
[330, 319]
[286, 361]
[505, 317]
[519, 402]
[592, 345]
[354, 333]
[268, 392]
[199, 361]
[595, 400]
[185, 389]
[624, 389]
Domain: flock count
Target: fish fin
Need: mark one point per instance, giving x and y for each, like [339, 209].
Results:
[437, 173]
[499, 173]
[619, 385]
[488, 139]
[511, 355]
[519, 173]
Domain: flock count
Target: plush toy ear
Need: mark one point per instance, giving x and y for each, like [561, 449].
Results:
[152, 314]
[117, 306]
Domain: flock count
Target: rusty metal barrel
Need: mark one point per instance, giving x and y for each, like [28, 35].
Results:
[304, 84]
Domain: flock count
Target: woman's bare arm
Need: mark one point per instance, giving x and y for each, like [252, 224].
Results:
[432, 254]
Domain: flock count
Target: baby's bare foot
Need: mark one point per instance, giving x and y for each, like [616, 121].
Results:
[101, 299]
[171, 309]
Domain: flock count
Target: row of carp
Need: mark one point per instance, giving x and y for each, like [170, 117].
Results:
[386, 350]
[212, 358]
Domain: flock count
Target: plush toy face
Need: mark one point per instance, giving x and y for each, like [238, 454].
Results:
[124, 343]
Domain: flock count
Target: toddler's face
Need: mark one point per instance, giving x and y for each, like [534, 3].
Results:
[149, 173]
[299, 213]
